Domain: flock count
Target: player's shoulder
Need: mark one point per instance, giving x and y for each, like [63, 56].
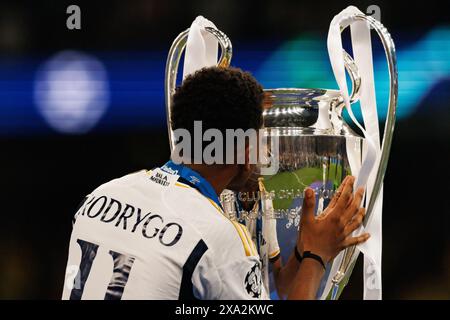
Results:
[123, 181]
[125, 186]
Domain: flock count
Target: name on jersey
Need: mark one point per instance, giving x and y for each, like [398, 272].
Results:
[131, 218]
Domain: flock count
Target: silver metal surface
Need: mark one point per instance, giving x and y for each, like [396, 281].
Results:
[299, 109]
[308, 156]
[312, 156]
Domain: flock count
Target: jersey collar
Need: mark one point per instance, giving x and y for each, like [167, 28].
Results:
[193, 179]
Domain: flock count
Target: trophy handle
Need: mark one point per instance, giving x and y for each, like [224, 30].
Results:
[351, 254]
[173, 60]
[352, 70]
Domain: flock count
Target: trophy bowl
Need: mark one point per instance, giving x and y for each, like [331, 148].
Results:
[311, 152]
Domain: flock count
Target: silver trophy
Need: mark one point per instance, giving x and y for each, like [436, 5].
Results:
[307, 156]
[310, 156]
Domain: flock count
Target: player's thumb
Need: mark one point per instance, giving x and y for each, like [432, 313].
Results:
[309, 204]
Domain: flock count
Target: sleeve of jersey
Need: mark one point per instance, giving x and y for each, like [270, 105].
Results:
[228, 273]
[206, 283]
[242, 280]
[239, 279]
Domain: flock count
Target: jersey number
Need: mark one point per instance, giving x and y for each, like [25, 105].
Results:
[119, 278]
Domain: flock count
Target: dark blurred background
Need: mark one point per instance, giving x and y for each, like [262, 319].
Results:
[80, 107]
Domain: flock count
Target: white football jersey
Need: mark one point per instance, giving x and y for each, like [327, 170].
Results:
[147, 235]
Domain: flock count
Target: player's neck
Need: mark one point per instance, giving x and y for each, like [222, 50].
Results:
[218, 176]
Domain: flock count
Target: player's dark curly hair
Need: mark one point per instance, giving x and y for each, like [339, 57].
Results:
[222, 98]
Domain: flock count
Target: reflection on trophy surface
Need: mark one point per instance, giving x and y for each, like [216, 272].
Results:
[308, 157]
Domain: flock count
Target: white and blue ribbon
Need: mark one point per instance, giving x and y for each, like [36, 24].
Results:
[202, 47]
[366, 171]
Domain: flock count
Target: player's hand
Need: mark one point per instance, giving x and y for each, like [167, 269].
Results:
[331, 232]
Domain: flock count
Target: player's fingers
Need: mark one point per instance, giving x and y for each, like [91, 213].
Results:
[355, 223]
[337, 194]
[346, 194]
[322, 215]
[353, 207]
[359, 194]
[309, 204]
[353, 241]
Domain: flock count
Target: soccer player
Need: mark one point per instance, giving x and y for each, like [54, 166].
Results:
[162, 233]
